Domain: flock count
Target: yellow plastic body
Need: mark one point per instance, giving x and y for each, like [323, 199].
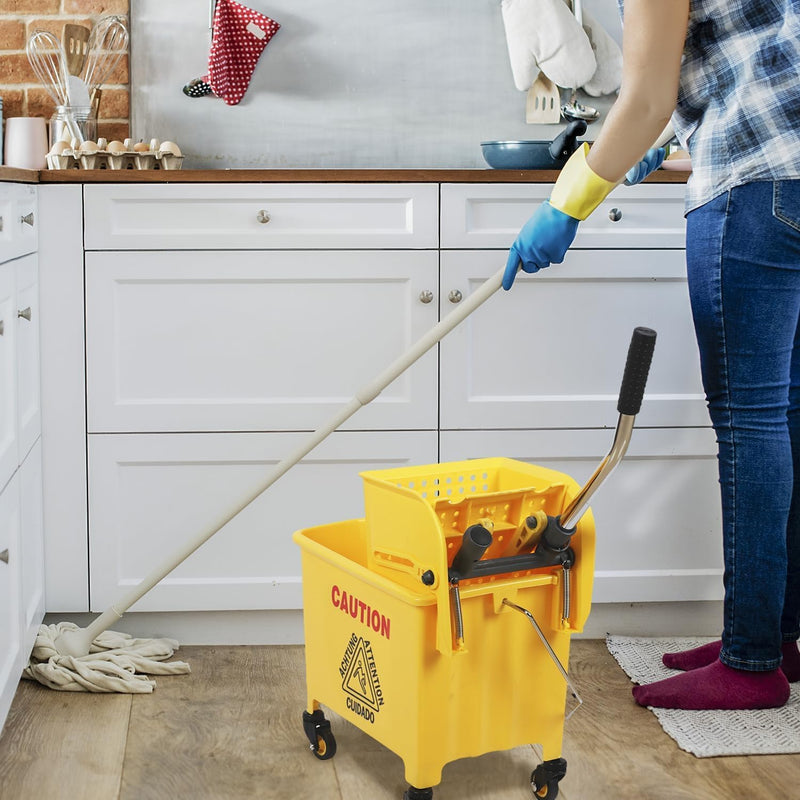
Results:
[381, 649]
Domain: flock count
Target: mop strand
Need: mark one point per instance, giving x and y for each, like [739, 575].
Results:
[116, 662]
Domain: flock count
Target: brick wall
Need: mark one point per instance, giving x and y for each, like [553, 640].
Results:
[23, 95]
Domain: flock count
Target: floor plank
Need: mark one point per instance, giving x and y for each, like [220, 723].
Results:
[63, 744]
[233, 729]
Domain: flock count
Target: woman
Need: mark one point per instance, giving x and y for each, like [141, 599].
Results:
[731, 71]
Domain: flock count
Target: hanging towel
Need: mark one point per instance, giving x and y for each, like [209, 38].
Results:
[608, 75]
[116, 662]
[239, 37]
[543, 35]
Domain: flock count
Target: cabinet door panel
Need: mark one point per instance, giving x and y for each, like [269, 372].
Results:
[256, 341]
[150, 494]
[486, 215]
[657, 515]
[278, 215]
[550, 353]
[10, 644]
[29, 392]
[8, 375]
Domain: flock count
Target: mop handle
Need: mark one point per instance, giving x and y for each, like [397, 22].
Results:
[366, 394]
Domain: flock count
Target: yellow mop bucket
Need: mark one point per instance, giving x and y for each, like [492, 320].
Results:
[440, 623]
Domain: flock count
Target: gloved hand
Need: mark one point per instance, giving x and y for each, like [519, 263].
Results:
[650, 163]
[547, 235]
[543, 240]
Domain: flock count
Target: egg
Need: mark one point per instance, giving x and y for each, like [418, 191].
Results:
[88, 147]
[141, 147]
[58, 148]
[170, 147]
[116, 147]
[678, 155]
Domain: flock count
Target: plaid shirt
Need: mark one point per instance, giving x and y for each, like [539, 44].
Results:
[738, 109]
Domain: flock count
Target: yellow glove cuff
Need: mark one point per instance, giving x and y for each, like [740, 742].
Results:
[578, 190]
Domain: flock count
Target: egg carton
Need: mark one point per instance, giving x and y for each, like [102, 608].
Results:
[102, 155]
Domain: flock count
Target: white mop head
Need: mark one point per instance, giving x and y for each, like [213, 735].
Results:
[116, 662]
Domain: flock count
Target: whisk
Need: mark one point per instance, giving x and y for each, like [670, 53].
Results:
[46, 56]
[108, 42]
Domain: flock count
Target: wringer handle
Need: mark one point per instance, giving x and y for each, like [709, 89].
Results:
[474, 544]
[637, 367]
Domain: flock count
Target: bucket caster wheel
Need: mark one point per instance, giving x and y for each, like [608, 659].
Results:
[545, 778]
[412, 793]
[320, 737]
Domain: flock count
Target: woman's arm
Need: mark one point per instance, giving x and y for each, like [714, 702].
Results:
[652, 46]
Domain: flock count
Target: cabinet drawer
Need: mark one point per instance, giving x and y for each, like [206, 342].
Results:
[263, 216]
[657, 516]
[256, 341]
[481, 215]
[550, 353]
[149, 495]
[18, 223]
[9, 455]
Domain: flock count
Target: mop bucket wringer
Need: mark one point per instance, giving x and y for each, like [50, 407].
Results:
[440, 623]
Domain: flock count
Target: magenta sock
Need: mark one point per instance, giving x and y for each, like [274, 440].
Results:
[708, 653]
[790, 665]
[696, 657]
[716, 686]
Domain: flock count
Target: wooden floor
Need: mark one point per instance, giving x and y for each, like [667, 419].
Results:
[232, 729]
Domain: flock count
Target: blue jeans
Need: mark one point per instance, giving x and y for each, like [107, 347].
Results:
[743, 258]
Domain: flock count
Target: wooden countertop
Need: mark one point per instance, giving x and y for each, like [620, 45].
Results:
[300, 176]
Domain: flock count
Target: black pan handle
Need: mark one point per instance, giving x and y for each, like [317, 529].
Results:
[637, 366]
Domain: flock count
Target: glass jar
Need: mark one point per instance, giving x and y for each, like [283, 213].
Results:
[69, 120]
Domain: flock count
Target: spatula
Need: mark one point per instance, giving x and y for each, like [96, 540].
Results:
[75, 39]
[543, 103]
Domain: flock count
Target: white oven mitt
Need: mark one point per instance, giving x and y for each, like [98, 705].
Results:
[608, 76]
[543, 35]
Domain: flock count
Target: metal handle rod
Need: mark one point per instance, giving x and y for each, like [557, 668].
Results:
[550, 652]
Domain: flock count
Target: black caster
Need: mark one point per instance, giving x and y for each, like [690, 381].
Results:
[412, 793]
[545, 778]
[318, 731]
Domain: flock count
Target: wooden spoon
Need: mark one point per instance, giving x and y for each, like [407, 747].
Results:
[543, 102]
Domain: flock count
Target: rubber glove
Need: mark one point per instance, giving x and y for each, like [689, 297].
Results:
[548, 234]
[650, 163]
[543, 240]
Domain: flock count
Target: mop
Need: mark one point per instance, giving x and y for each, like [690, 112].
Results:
[66, 657]
[94, 658]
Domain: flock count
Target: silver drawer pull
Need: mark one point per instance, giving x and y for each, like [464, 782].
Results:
[426, 296]
[615, 215]
[263, 217]
[25, 313]
[4, 556]
[455, 296]
[27, 219]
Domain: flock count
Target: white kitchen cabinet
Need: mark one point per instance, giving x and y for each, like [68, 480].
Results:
[224, 324]
[21, 530]
[259, 341]
[149, 494]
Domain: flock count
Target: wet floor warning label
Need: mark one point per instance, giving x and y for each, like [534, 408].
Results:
[360, 679]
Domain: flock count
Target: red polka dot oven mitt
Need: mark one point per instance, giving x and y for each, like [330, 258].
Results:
[239, 37]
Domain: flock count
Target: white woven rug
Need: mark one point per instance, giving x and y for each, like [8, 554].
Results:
[709, 733]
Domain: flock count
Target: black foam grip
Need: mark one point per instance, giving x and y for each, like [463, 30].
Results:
[474, 544]
[634, 379]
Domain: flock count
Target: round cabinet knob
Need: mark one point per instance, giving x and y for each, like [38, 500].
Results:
[25, 313]
[4, 556]
[426, 296]
[262, 217]
[455, 296]
[2, 327]
[615, 215]
[27, 219]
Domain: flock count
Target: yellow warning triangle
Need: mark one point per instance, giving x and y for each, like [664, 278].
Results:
[358, 681]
